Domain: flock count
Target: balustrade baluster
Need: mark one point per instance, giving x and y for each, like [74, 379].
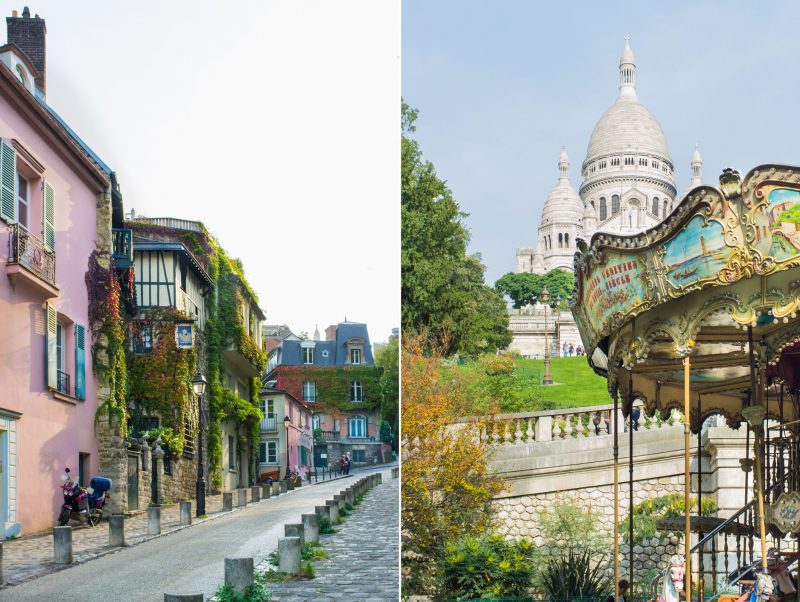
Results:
[506, 432]
[603, 424]
[529, 432]
[714, 562]
[640, 420]
[727, 564]
[517, 433]
[568, 426]
[556, 428]
[579, 429]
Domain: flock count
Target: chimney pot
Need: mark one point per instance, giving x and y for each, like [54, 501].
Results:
[29, 36]
[14, 14]
[26, 13]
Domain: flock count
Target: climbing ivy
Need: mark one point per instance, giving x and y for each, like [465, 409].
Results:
[108, 339]
[333, 386]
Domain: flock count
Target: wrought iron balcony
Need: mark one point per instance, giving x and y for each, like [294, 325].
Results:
[122, 247]
[29, 252]
[269, 424]
[62, 382]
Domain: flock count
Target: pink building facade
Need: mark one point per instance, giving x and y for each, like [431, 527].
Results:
[286, 435]
[56, 210]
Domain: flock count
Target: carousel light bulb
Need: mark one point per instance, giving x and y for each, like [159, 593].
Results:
[785, 320]
[775, 321]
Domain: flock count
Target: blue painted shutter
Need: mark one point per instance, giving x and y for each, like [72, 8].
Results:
[49, 197]
[8, 182]
[50, 341]
[80, 361]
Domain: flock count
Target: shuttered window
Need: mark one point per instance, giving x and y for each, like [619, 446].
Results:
[49, 217]
[51, 348]
[80, 361]
[8, 182]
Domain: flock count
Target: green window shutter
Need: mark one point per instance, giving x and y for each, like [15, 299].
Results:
[80, 361]
[8, 182]
[49, 217]
[51, 376]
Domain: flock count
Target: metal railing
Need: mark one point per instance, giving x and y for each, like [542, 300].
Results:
[29, 251]
[269, 423]
[62, 382]
[330, 435]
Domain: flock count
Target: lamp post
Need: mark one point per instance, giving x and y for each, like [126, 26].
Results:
[199, 383]
[544, 297]
[286, 422]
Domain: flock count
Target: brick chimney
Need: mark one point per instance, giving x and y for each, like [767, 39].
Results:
[28, 34]
[330, 332]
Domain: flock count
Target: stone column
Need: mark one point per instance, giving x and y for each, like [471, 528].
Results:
[158, 454]
[113, 461]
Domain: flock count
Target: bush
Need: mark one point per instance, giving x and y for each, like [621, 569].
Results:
[252, 593]
[575, 575]
[488, 567]
[325, 526]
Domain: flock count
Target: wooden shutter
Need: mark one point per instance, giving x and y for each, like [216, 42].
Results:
[49, 198]
[8, 182]
[51, 376]
[80, 361]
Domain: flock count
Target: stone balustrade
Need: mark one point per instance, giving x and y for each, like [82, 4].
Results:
[572, 423]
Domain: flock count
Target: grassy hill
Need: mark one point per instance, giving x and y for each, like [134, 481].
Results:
[574, 383]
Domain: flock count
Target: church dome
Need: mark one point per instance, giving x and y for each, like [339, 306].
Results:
[563, 204]
[627, 127]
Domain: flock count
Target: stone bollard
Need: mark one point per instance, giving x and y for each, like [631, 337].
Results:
[227, 501]
[183, 597]
[186, 513]
[289, 549]
[322, 512]
[333, 508]
[311, 527]
[116, 531]
[379, 478]
[62, 545]
[284, 486]
[289, 484]
[349, 497]
[239, 573]
[395, 472]
[154, 520]
[265, 491]
[276, 489]
[242, 497]
[295, 530]
[256, 494]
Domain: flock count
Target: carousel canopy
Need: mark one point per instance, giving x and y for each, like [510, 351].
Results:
[723, 269]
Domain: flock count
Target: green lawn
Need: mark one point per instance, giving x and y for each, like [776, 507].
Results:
[574, 383]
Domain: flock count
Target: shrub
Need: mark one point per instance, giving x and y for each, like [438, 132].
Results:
[573, 575]
[252, 593]
[488, 567]
[325, 526]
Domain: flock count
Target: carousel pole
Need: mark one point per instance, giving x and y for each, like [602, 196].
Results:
[759, 451]
[630, 479]
[616, 497]
[687, 580]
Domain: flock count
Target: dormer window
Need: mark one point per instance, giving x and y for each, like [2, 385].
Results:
[21, 76]
[355, 356]
[308, 355]
[355, 350]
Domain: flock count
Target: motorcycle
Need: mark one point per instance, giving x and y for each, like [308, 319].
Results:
[83, 503]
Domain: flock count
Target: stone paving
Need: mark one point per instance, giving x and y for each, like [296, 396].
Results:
[32, 556]
[364, 555]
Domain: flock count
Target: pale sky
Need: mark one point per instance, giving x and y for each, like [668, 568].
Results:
[501, 86]
[274, 123]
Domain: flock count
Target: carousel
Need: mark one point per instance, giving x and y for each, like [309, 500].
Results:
[700, 314]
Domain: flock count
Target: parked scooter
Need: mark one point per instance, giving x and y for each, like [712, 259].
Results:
[83, 504]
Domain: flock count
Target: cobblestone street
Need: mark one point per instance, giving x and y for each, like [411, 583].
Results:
[364, 555]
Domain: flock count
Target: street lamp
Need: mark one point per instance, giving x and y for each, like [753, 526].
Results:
[545, 297]
[199, 383]
[286, 422]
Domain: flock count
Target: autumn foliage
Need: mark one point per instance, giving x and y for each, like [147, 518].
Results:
[446, 485]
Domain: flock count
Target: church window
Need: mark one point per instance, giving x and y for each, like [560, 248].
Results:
[665, 207]
[603, 209]
[615, 161]
[643, 161]
[628, 160]
[615, 204]
[566, 241]
[655, 164]
[602, 164]
[655, 206]
[559, 240]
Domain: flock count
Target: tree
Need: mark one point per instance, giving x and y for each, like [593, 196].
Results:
[389, 359]
[446, 484]
[524, 287]
[444, 294]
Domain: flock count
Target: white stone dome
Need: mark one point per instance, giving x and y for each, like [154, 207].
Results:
[563, 204]
[627, 127]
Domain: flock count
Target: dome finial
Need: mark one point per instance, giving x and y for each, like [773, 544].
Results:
[563, 164]
[697, 168]
[627, 71]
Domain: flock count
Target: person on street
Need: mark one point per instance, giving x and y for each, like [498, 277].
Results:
[623, 590]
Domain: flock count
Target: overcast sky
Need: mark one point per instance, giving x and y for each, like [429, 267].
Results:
[274, 123]
[501, 86]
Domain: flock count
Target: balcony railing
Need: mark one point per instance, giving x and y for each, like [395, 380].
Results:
[28, 251]
[330, 435]
[122, 247]
[62, 382]
[269, 424]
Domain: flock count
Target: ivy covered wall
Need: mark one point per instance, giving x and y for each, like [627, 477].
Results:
[333, 386]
